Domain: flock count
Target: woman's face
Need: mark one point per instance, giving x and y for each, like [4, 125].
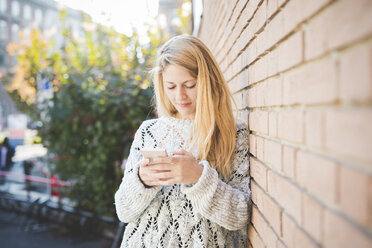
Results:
[181, 89]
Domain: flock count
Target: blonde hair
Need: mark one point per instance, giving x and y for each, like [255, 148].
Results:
[214, 129]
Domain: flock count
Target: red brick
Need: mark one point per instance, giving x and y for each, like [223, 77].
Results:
[273, 94]
[289, 231]
[252, 144]
[286, 21]
[312, 83]
[238, 97]
[356, 74]
[314, 129]
[280, 244]
[273, 32]
[223, 8]
[223, 65]
[354, 195]
[263, 229]
[260, 148]
[244, 99]
[294, 237]
[254, 238]
[280, 2]
[250, 54]
[239, 82]
[271, 60]
[290, 126]
[243, 115]
[268, 207]
[258, 121]
[336, 27]
[251, 97]
[338, 233]
[258, 172]
[273, 155]
[234, 18]
[238, 35]
[349, 133]
[317, 174]
[261, 91]
[258, 20]
[273, 124]
[272, 213]
[303, 241]
[256, 195]
[244, 18]
[289, 53]
[272, 7]
[289, 162]
[286, 194]
[313, 218]
[258, 71]
[283, 57]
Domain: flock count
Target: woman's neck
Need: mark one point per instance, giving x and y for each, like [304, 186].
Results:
[187, 117]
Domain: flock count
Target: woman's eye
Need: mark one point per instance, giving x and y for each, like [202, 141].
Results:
[190, 87]
[171, 88]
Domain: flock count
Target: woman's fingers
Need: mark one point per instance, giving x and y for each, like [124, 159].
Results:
[164, 175]
[163, 160]
[144, 162]
[161, 167]
[182, 152]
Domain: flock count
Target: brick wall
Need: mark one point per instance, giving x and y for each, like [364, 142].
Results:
[301, 74]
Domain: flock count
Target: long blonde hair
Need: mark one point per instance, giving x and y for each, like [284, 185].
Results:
[214, 129]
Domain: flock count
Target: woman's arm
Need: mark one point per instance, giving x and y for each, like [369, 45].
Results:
[132, 197]
[227, 204]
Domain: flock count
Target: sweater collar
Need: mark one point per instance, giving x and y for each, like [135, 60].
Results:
[177, 121]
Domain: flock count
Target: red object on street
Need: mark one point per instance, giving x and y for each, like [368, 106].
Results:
[54, 185]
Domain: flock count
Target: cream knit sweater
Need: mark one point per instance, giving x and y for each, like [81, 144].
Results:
[209, 213]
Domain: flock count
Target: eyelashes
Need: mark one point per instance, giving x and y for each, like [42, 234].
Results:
[188, 87]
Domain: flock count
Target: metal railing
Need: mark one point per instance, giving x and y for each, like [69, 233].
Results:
[38, 210]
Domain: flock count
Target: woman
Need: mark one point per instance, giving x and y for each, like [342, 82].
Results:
[199, 196]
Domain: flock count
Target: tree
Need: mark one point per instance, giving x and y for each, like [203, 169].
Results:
[100, 95]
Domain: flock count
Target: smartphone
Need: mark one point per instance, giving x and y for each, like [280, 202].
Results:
[153, 152]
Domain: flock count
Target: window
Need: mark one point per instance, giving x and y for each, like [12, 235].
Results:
[3, 6]
[27, 12]
[16, 8]
[3, 30]
[38, 15]
[15, 30]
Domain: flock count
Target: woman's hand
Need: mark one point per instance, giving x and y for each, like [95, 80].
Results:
[182, 168]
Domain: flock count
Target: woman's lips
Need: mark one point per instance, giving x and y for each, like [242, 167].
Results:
[184, 105]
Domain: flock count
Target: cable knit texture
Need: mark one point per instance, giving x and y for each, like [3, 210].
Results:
[209, 213]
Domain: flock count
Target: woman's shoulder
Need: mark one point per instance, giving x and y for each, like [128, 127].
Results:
[241, 133]
[241, 126]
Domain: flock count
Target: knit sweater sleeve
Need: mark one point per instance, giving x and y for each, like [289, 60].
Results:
[132, 197]
[225, 203]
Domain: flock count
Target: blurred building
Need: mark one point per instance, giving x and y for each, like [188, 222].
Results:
[169, 16]
[26, 15]
[21, 17]
[168, 13]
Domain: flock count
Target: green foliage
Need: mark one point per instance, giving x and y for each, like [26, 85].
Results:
[100, 96]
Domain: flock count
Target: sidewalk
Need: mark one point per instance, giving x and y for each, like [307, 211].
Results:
[13, 235]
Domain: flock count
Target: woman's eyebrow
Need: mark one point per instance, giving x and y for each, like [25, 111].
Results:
[181, 83]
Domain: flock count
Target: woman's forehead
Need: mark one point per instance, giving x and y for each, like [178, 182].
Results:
[176, 73]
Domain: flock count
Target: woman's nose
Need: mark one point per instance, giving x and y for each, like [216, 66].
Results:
[181, 94]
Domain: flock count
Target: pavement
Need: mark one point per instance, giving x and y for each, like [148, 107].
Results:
[13, 234]
[16, 232]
